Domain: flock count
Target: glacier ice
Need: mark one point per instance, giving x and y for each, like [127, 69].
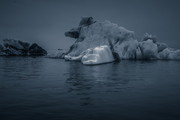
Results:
[97, 55]
[122, 43]
[169, 54]
[56, 53]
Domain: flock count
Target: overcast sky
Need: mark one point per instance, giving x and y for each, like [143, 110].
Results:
[45, 21]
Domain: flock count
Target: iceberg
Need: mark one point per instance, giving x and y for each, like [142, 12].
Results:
[102, 41]
[60, 53]
[97, 55]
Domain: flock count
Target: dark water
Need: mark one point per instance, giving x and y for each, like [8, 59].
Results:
[52, 89]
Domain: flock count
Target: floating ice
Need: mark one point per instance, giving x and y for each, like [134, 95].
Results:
[122, 43]
[97, 55]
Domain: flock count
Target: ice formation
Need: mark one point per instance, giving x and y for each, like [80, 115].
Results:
[91, 35]
[13, 47]
[97, 55]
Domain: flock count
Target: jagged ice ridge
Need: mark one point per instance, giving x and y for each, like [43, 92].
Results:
[122, 43]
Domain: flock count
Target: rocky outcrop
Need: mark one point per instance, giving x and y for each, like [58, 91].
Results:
[36, 50]
[13, 47]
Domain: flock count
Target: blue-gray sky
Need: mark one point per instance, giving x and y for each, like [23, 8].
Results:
[45, 21]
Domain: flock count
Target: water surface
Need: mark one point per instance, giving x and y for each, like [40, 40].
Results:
[54, 89]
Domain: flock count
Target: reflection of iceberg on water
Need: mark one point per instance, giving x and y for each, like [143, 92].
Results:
[102, 42]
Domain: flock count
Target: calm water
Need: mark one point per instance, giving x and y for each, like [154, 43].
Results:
[53, 89]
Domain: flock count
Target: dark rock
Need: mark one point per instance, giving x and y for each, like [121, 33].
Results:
[116, 56]
[15, 44]
[24, 44]
[13, 47]
[85, 21]
[1, 47]
[1, 50]
[36, 50]
[73, 33]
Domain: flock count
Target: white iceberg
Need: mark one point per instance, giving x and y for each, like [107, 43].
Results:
[91, 35]
[97, 55]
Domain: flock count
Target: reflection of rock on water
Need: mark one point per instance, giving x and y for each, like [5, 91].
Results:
[28, 67]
